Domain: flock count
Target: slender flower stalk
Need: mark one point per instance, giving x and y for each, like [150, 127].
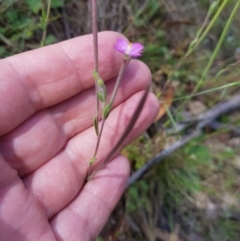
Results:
[95, 47]
[129, 50]
[95, 34]
[119, 78]
[107, 108]
[99, 138]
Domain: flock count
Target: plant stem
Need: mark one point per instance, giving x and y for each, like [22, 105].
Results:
[119, 78]
[116, 87]
[99, 138]
[98, 142]
[210, 25]
[194, 43]
[46, 21]
[216, 50]
[95, 34]
[123, 137]
[6, 41]
[95, 47]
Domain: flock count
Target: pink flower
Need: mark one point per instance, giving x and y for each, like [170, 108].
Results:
[127, 48]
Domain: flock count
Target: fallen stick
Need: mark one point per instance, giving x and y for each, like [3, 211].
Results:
[202, 121]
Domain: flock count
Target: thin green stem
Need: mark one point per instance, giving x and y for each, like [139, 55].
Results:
[98, 142]
[208, 91]
[46, 23]
[189, 51]
[119, 78]
[170, 116]
[128, 129]
[113, 96]
[210, 25]
[6, 41]
[99, 138]
[216, 50]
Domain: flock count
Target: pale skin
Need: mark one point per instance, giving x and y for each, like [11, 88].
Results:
[48, 102]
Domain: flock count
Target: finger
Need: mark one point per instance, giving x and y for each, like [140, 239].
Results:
[58, 181]
[84, 218]
[23, 147]
[21, 216]
[43, 77]
[86, 215]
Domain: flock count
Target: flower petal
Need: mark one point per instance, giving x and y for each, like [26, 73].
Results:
[136, 49]
[121, 45]
[133, 50]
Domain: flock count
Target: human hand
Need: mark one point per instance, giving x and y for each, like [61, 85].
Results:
[47, 138]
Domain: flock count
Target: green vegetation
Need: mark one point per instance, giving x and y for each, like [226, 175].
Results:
[194, 47]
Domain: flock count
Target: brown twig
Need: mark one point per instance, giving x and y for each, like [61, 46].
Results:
[203, 120]
[220, 126]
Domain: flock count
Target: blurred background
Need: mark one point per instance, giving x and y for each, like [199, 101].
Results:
[193, 50]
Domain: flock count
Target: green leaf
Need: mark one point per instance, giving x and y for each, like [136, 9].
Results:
[100, 82]
[57, 3]
[95, 123]
[43, 23]
[34, 5]
[12, 15]
[92, 160]
[102, 93]
[95, 75]
[199, 153]
[8, 3]
[50, 39]
[100, 96]
[107, 110]
[213, 7]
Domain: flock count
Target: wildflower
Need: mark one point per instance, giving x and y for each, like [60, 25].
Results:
[129, 49]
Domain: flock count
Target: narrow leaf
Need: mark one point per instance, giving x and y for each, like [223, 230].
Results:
[107, 110]
[95, 122]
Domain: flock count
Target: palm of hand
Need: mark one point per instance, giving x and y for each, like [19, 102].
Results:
[47, 138]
